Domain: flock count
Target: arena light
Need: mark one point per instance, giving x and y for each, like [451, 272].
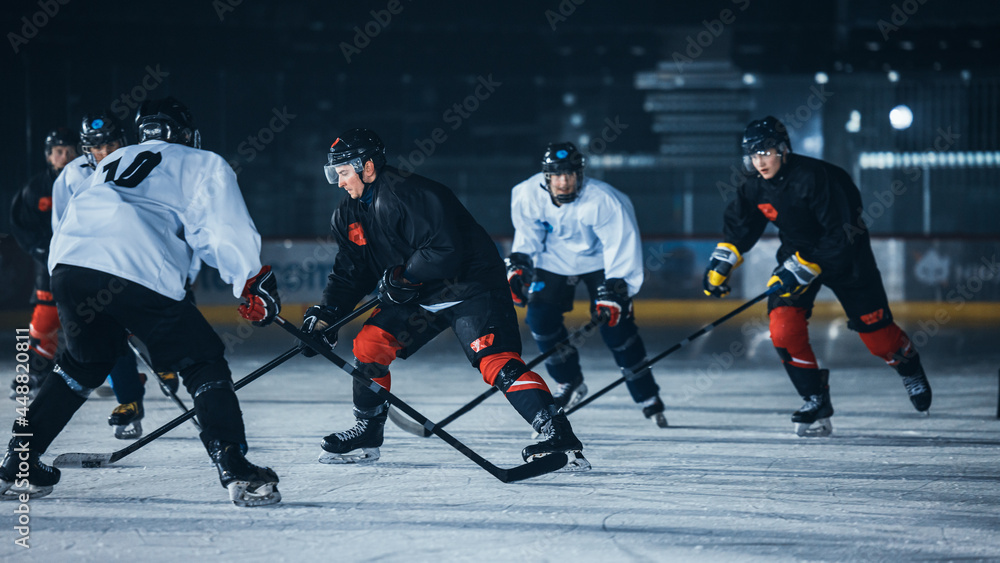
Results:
[901, 117]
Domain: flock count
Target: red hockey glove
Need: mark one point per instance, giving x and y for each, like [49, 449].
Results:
[520, 272]
[394, 288]
[262, 301]
[725, 258]
[613, 302]
[794, 276]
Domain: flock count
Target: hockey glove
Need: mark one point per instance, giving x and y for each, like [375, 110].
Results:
[613, 303]
[262, 301]
[314, 323]
[394, 288]
[725, 258]
[794, 276]
[520, 272]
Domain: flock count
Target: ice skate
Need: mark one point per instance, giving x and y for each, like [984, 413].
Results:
[654, 411]
[126, 420]
[813, 418]
[559, 437]
[919, 390]
[37, 481]
[169, 382]
[359, 444]
[567, 395]
[248, 484]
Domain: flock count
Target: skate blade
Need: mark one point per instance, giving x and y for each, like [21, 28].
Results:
[659, 420]
[129, 431]
[9, 492]
[819, 429]
[575, 461]
[242, 496]
[367, 455]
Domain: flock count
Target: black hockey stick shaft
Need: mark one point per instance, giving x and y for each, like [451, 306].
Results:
[287, 355]
[144, 357]
[704, 330]
[527, 470]
[426, 432]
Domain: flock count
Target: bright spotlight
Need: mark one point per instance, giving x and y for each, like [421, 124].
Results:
[821, 78]
[901, 117]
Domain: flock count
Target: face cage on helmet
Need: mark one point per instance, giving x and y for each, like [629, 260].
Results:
[564, 198]
[331, 168]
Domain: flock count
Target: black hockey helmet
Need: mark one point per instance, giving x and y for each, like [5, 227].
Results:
[354, 147]
[764, 134]
[563, 158]
[166, 120]
[99, 129]
[60, 136]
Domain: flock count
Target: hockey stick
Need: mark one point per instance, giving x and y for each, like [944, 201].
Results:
[422, 431]
[101, 460]
[135, 344]
[704, 330]
[546, 464]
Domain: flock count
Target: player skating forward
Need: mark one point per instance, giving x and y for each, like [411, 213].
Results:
[435, 268]
[570, 228]
[99, 137]
[125, 242]
[31, 225]
[816, 208]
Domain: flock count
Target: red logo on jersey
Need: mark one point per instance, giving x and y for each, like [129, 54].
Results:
[482, 342]
[768, 210]
[45, 204]
[872, 318]
[356, 235]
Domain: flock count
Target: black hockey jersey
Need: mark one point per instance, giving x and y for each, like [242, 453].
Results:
[31, 215]
[416, 222]
[816, 208]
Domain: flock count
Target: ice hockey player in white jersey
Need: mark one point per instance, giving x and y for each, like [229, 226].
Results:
[119, 258]
[100, 135]
[570, 228]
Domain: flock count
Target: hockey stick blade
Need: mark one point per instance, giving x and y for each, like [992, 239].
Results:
[531, 469]
[417, 430]
[101, 460]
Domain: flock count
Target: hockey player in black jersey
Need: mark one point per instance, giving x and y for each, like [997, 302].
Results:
[31, 225]
[434, 268]
[816, 208]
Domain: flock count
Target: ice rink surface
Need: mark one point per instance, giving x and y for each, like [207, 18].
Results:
[728, 481]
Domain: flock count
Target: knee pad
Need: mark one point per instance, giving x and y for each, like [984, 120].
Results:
[375, 346]
[378, 373]
[543, 319]
[507, 372]
[44, 330]
[204, 376]
[790, 336]
[889, 343]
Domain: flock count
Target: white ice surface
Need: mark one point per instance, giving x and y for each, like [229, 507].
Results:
[728, 481]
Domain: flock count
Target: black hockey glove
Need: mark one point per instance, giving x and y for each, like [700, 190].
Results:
[794, 275]
[315, 320]
[520, 272]
[262, 301]
[725, 258]
[394, 288]
[613, 303]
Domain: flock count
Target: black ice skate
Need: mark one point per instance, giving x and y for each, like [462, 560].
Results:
[37, 481]
[559, 437]
[358, 445]
[569, 394]
[248, 484]
[169, 382]
[813, 418]
[654, 411]
[126, 420]
[919, 390]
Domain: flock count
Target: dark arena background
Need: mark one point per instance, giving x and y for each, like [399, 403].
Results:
[902, 94]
